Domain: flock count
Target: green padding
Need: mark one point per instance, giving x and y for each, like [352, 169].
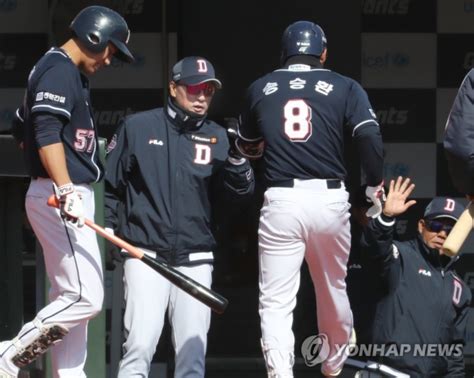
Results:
[96, 364]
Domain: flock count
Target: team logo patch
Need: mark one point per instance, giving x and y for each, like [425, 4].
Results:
[40, 96]
[210, 140]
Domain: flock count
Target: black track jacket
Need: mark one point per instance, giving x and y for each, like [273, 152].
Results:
[422, 302]
[161, 180]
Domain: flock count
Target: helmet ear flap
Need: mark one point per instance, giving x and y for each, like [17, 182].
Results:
[93, 38]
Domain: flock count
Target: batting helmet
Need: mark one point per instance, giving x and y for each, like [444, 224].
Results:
[302, 38]
[96, 26]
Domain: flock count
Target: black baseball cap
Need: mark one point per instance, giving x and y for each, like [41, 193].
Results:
[194, 70]
[443, 207]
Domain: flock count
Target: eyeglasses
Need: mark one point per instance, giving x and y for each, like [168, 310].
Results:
[208, 89]
[437, 226]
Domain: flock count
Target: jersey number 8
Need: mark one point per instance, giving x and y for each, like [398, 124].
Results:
[298, 125]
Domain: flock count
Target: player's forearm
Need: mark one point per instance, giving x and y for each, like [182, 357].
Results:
[53, 159]
[370, 146]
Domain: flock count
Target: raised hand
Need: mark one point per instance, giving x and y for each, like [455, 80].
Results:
[398, 193]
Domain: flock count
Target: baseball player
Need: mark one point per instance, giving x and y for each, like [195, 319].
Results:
[295, 116]
[163, 175]
[421, 302]
[55, 127]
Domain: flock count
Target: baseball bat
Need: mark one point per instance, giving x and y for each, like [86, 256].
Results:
[207, 296]
[460, 232]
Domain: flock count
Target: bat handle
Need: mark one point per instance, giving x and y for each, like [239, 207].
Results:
[132, 250]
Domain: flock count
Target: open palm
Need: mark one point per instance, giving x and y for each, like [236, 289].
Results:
[396, 202]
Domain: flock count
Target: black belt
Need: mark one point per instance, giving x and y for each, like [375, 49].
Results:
[290, 183]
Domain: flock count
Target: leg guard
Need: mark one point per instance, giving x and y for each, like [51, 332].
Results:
[279, 363]
[49, 335]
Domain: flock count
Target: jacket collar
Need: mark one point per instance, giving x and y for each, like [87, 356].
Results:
[181, 119]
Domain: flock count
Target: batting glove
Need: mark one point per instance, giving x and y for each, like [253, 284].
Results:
[375, 195]
[70, 204]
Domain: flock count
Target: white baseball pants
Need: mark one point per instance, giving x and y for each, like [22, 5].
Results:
[147, 296]
[308, 221]
[73, 264]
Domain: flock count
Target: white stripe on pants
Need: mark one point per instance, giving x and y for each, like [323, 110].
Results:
[312, 222]
[147, 296]
[73, 264]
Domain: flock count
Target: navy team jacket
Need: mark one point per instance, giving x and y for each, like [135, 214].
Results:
[459, 137]
[161, 183]
[422, 301]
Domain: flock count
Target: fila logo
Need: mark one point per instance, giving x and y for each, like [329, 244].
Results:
[202, 65]
[449, 204]
[424, 272]
[156, 142]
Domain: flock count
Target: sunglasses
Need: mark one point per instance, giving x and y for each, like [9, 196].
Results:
[436, 226]
[207, 88]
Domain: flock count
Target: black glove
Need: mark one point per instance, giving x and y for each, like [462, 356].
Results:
[232, 125]
[113, 256]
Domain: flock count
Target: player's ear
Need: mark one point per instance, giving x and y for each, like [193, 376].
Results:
[421, 224]
[172, 88]
[324, 56]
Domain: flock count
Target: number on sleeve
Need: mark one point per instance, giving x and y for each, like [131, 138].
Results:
[298, 125]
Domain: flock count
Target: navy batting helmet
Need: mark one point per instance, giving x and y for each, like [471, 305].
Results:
[96, 26]
[302, 38]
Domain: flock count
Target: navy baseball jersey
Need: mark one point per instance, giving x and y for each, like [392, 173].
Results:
[56, 87]
[300, 113]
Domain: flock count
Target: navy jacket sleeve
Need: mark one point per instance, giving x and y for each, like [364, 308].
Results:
[459, 137]
[236, 176]
[238, 179]
[119, 164]
[378, 242]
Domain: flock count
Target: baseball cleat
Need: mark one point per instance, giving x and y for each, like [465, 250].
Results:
[50, 335]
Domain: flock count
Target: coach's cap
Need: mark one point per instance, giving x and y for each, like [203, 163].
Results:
[194, 70]
[443, 207]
